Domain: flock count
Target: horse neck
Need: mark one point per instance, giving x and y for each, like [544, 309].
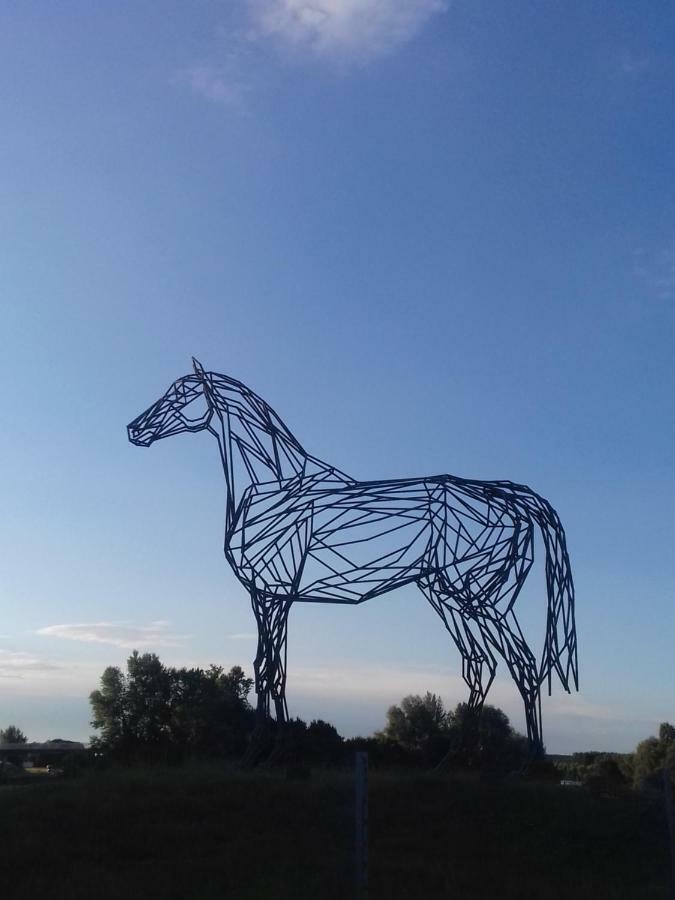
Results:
[255, 452]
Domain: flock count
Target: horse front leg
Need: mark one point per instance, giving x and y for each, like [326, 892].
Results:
[270, 663]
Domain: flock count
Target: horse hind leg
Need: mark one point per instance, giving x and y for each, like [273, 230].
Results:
[502, 630]
[505, 636]
[478, 662]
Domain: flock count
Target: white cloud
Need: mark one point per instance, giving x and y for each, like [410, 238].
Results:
[17, 664]
[575, 706]
[386, 682]
[119, 634]
[632, 64]
[353, 30]
[657, 270]
[381, 685]
[213, 82]
[242, 636]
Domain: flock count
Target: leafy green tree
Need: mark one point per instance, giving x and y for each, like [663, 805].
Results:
[131, 710]
[210, 712]
[601, 770]
[485, 739]
[324, 743]
[605, 773]
[148, 700]
[109, 710]
[155, 712]
[654, 754]
[426, 731]
[13, 735]
[419, 725]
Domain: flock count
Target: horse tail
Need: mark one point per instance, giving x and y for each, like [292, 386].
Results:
[560, 648]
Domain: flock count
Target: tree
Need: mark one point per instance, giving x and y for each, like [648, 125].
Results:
[423, 729]
[13, 735]
[132, 710]
[155, 712]
[325, 743]
[485, 739]
[210, 712]
[297, 744]
[418, 725]
[654, 754]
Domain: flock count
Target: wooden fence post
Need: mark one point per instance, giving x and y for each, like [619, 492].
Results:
[361, 846]
[670, 816]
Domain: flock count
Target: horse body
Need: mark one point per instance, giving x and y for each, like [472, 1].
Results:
[300, 530]
[346, 543]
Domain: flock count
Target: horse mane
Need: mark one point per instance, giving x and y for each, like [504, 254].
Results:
[259, 434]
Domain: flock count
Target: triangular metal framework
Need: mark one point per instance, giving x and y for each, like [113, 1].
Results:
[300, 530]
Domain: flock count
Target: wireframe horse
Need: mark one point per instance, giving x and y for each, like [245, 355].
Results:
[298, 529]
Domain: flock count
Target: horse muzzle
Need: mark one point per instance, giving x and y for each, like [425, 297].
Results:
[141, 437]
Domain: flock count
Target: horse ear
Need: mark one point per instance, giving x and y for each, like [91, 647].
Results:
[201, 374]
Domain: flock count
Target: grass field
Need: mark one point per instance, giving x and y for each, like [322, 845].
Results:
[207, 832]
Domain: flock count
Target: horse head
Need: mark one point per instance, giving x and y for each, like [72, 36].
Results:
[186, 406]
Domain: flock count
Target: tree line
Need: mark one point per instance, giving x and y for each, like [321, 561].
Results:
[642, 768]
[157, 713]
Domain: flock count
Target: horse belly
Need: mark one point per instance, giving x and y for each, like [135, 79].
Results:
[364, 548]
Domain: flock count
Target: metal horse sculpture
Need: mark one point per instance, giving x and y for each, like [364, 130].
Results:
[298, 529]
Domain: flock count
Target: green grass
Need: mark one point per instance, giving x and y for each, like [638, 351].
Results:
[209, 832]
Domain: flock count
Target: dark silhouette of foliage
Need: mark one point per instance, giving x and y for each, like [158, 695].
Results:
[654, 754]
[382, 753]
[599, 770]
[606, 774]
[418, 726]
[485, 740]
[157, 713]
[416, 722]
[325, 744]
[297, 744]
[12, 735]
[428, 734]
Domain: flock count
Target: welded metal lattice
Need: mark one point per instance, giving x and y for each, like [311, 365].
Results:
[298, 529]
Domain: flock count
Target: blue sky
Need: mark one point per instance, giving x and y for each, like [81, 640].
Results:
[434, 240]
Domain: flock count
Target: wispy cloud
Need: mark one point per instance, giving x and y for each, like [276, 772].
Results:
[127, 635]
[657, 270]
[634, 64]
[213, 82]
[242, 636]
[384, 683]
[343, 30]
[355, 698]
[575, 706]
[16, 664]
